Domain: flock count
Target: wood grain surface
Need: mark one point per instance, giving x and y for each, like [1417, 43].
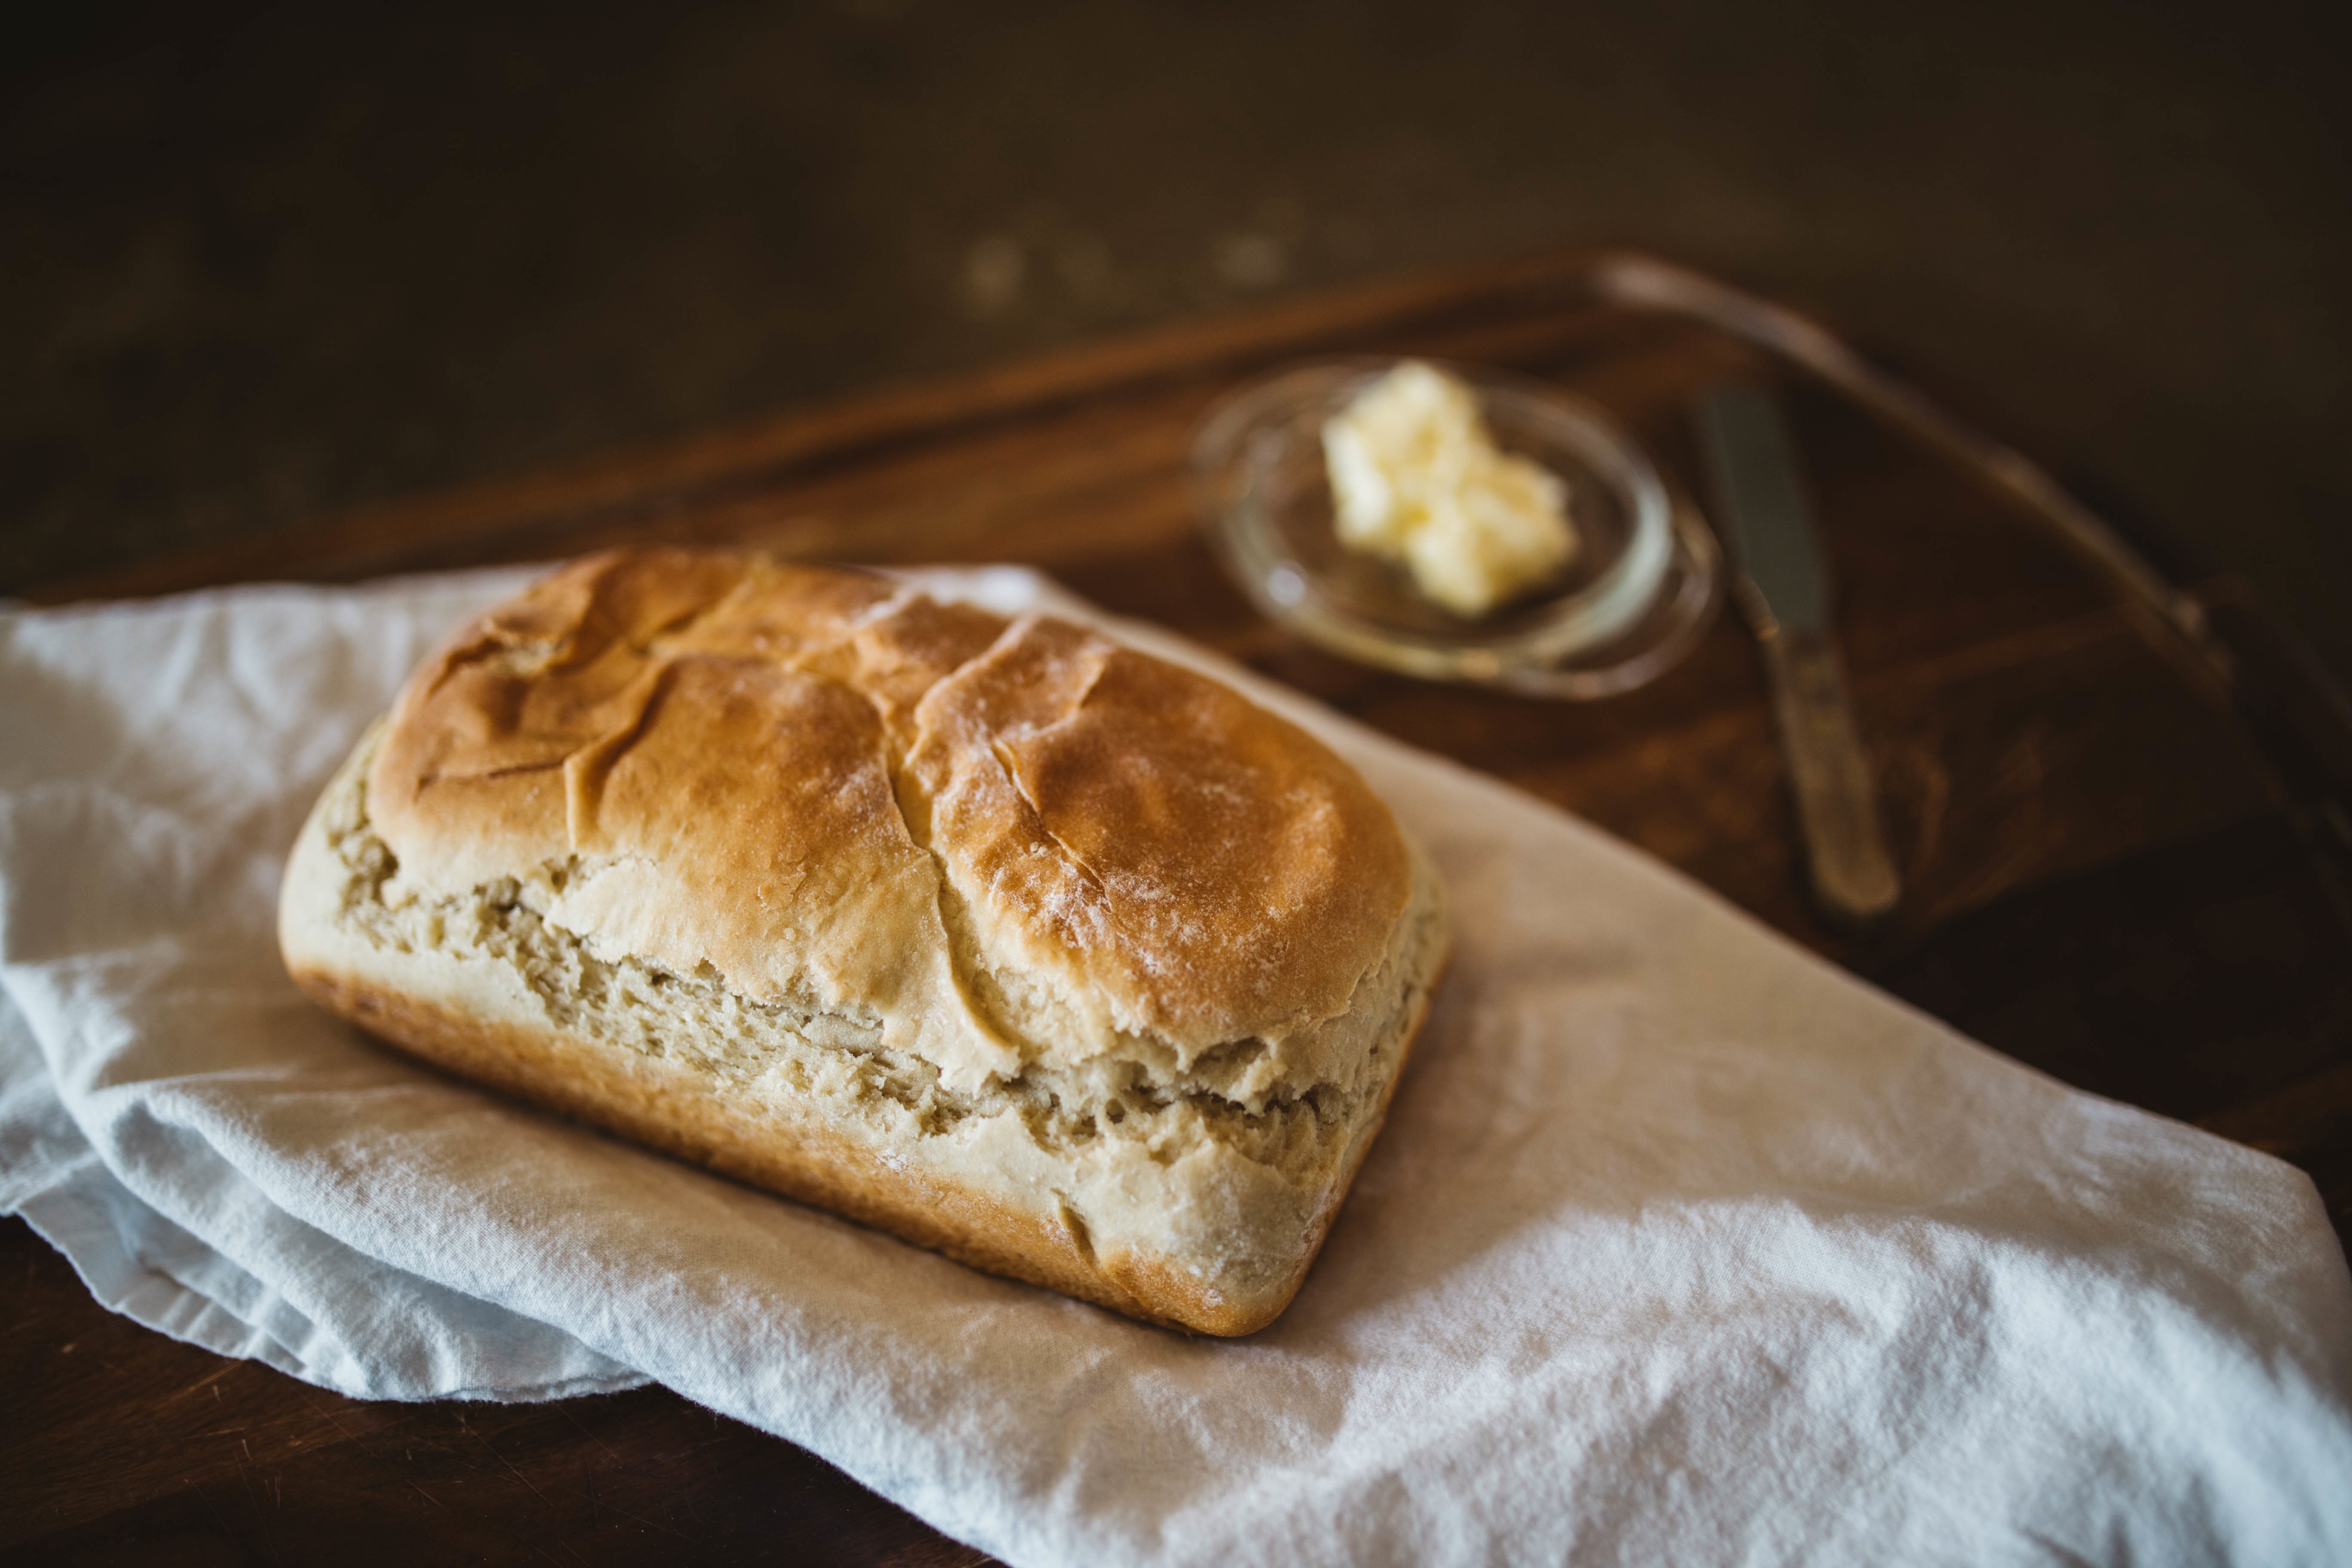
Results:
[2108, 857]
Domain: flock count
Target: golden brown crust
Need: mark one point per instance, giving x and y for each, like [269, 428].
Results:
[1062, 960]
[1158, 854]
[1208, 869]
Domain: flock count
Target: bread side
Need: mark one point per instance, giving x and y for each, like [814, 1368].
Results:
[1181, 1181]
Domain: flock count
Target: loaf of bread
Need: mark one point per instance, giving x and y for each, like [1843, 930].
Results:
[1065, 962]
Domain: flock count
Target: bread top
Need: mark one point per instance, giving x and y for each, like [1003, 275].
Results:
[1005, 842]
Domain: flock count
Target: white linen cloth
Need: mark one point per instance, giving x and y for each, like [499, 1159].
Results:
[1681, 1245]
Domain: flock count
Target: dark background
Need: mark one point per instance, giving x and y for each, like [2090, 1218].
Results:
[263, 263]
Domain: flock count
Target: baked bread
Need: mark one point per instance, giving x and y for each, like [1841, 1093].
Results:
[1062, 960]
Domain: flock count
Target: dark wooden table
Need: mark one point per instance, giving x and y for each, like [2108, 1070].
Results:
[2120, 825]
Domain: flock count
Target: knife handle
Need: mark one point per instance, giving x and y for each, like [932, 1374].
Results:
[1852, 873]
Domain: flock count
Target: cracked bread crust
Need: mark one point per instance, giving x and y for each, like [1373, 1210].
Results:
[1056, 958]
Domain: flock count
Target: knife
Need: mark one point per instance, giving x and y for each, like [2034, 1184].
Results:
[1783, 590]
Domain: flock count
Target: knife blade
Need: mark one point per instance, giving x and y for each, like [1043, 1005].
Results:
[1782, 587]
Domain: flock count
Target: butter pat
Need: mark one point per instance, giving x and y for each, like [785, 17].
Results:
[1415, 478]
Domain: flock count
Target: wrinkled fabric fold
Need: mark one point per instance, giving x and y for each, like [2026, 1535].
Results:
[1680, 1245]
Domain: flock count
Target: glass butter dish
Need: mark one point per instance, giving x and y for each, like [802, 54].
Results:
[1642, 587]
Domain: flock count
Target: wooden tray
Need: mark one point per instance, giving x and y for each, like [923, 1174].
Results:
[2118, 799]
